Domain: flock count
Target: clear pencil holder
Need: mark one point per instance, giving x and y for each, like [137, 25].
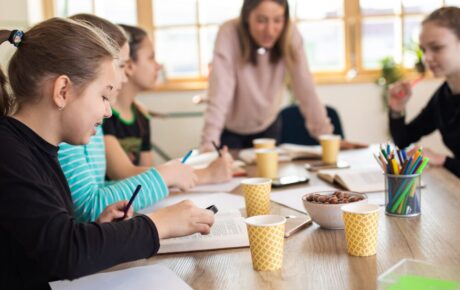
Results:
[403, 195]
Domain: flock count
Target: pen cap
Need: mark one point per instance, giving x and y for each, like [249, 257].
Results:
[213, 208]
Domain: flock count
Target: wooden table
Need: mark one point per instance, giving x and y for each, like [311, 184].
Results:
[317, 259]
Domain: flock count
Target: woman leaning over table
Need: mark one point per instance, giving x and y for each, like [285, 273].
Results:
[440, 43]
[252, 56]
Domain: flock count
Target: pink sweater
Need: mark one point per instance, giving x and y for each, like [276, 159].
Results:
[246, 99]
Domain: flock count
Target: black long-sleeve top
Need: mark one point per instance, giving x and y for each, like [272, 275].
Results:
[442, 112]
[40, 241]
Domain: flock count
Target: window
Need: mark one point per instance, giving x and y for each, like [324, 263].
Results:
[322, 28]
[344, 39]
[117, 11]
[390, 27]
[184, 38]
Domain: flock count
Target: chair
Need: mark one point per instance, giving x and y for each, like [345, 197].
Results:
[293, 126]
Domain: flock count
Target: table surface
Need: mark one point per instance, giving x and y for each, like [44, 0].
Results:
[316, 258]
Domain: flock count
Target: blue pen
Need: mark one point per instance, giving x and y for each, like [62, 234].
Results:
[130, 202]
[187, 156]
[406, 170]
[403, 152]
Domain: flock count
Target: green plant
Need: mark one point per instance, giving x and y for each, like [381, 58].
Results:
[390, 72]
[414, 49]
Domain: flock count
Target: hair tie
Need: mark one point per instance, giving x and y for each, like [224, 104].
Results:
[16, 37]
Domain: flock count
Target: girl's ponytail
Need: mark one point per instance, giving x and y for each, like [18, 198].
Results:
[6, 102]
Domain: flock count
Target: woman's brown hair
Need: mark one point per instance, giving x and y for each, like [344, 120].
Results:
[281, 49]
[135, 37]
[448, 17]
[5, 100]
[114, 31]
[52, 48]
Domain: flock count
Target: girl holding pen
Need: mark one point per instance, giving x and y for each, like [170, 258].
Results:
[440, 43]
[63, 76]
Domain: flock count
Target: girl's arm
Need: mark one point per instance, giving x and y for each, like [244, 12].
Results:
[84, 168]
[119, 167]
[118, 164]
[146, 159]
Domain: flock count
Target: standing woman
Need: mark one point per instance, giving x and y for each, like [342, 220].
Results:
[440, 43]
[252, 56]
[62, 76]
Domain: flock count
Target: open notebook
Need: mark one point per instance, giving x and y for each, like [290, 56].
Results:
[228, 231]
[359, 179]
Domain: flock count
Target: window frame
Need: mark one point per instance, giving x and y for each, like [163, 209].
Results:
[352, 23]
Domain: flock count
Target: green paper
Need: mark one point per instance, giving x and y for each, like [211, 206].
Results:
[412, 282]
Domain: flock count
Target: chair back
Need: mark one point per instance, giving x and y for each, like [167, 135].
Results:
[293, 126]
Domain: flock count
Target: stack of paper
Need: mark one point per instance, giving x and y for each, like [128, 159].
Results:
[138, 278]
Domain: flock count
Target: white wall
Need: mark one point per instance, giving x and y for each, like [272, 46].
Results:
[359, 105]
[12, 15]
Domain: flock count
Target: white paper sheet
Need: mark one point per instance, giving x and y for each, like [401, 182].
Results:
[201, 160]
[376, 198]
[217, 187]
[223, 201]
[138, 278]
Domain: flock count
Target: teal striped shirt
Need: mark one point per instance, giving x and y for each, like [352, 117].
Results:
[85, 169]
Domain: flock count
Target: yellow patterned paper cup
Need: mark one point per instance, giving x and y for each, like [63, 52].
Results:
[264, 143]
[361, 228]
[266, 241]
[257, 195]
[267, 163]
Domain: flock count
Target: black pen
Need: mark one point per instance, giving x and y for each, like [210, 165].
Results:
[213, 208]
[130, 202]
[217, 148]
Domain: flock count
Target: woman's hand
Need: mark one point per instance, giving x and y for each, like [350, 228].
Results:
[182, 219]
[178, 174]
[400, 93]
[114, 212]
[435, 159]
[219, 170]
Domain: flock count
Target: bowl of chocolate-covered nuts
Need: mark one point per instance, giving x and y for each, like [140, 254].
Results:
[324, 207]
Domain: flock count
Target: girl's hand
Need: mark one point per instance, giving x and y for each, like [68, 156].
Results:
[400, 93]
[435, 159]
[182, 219]
[220, 170]
[177, 174]
[206, 148]
[114, 212]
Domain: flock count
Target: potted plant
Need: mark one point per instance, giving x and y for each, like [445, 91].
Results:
[414, 49]
[390, 72]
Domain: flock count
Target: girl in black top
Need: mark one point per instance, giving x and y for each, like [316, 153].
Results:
[62, 75]
[440, 43]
